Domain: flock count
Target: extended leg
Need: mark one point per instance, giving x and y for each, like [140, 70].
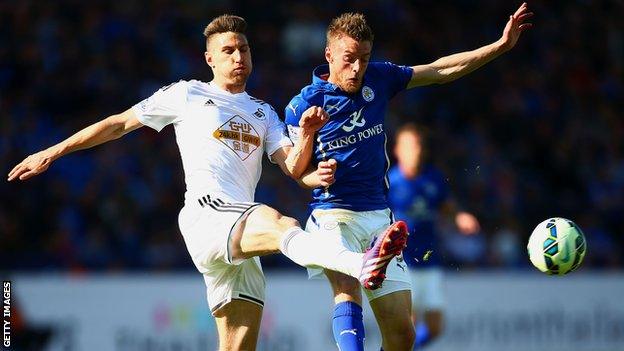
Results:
[265, 231]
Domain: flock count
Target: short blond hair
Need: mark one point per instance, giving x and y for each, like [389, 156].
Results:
[350, 24]
[224, 24]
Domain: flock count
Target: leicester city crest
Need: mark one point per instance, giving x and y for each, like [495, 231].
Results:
[368, 94]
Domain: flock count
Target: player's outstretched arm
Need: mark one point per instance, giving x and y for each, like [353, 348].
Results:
[322, 176]
[449, 68]
[105, 130]
[294, 160]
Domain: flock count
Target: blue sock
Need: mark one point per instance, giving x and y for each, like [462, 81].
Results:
[422, 335]
[348, 326]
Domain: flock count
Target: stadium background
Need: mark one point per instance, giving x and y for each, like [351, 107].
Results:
[535, 134]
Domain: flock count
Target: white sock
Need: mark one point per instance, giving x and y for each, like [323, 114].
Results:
[314, 251]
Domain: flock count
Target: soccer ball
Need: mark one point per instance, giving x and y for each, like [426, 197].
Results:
[557, 246]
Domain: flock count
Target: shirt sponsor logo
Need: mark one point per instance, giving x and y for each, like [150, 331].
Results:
[239, 135]
[356, 121]
[351, 139]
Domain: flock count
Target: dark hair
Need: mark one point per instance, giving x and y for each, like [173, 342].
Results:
[350, 24]
[224, 24]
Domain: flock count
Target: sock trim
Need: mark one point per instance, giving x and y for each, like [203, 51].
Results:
[347, 308]
[288, 235]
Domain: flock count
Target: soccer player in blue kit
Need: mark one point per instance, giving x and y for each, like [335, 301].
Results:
[419, 195]
[355, 94]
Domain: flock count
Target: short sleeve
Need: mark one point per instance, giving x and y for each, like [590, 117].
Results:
[162, 108]
[276, 136]
[396, 77]
[293, 112]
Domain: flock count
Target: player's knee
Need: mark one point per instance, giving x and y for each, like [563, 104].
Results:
[346, 285]
[401, 337]
[264, 215]
[408, 337]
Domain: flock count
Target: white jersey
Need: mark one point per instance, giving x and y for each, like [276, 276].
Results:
[221, 136]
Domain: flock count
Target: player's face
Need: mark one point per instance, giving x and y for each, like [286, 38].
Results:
[408, 150]
[348, 59]
[229, 56]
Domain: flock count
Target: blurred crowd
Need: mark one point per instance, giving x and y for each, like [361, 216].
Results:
[538, 133]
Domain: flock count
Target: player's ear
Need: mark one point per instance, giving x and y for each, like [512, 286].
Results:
[208, 57]
[328, 55]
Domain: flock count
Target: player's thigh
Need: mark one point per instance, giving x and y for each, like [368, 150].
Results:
[259, 232]
[353, 230]
[393, 314]
[344, 287]
[208, 226]
[238, 325]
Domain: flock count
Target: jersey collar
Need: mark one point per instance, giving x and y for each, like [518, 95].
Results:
[225, 92]
[319, 77]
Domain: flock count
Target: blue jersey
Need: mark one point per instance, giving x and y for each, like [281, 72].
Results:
[354, 135]
[418, 202]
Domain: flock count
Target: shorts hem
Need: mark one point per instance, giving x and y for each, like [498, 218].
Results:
[237, 296]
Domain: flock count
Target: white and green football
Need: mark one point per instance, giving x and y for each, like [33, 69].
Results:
[557, 246]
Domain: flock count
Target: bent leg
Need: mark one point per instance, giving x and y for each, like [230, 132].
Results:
[238, 325]
[259, 233]
[393, 313]
[265, 231]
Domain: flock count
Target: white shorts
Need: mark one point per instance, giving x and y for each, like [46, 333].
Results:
[427, 291]
[207, 225]
[357, 230]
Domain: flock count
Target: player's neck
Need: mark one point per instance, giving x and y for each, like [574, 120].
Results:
[409, 172]
[329, 78]
[230, 87]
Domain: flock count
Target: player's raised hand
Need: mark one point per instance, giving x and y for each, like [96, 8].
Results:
[515, 26]
[326, 171]
[313, 119]
[31, 166]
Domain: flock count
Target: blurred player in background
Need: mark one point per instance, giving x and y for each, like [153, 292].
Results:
[355, 94]
[419, 194]
[222, 133]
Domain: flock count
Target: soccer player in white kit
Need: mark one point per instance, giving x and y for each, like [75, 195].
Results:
[221, 133]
